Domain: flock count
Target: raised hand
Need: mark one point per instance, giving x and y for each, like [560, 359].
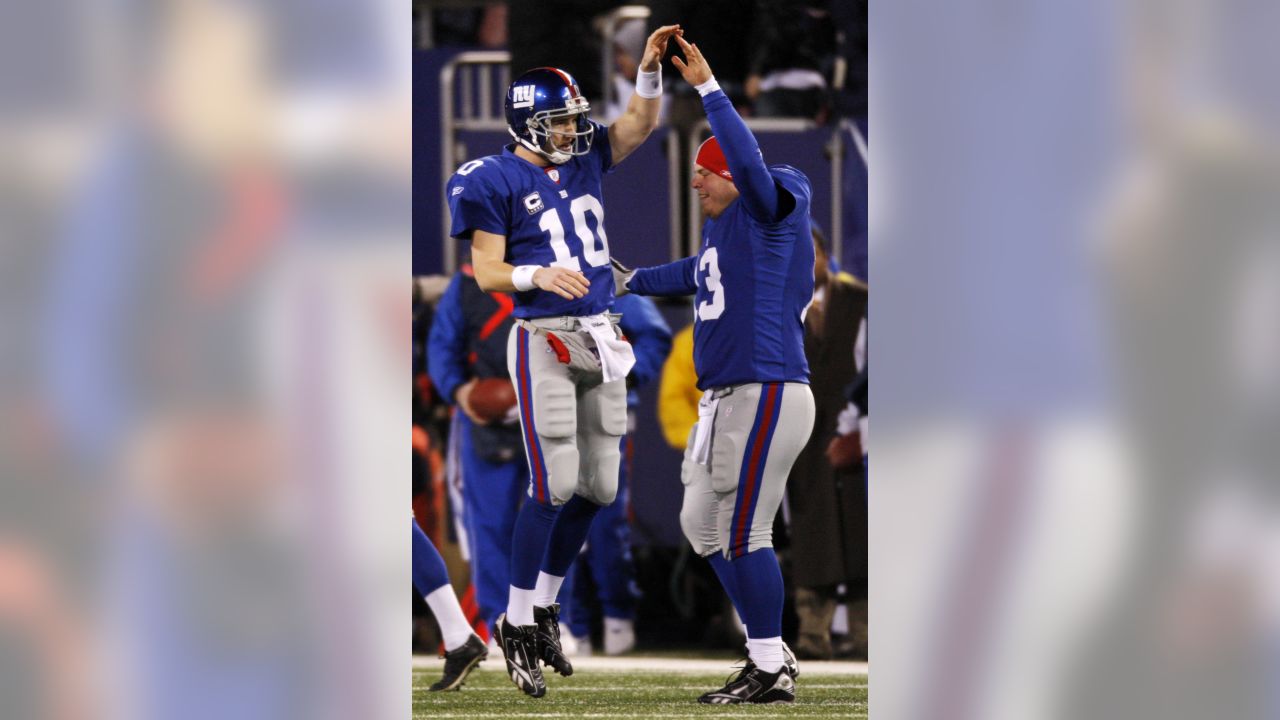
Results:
[568, 284]
[694, 68]
[656, 46]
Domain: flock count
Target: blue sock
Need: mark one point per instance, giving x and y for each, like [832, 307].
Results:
[724, 571]
[529, 541]
[760, 587]
[567, 536]
[429, 573]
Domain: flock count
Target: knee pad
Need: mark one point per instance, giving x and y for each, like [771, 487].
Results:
[562, 468]
[697, 523]
[613, 408]
[761, 537]
[726, 461]
[555, 408]
[603, 483]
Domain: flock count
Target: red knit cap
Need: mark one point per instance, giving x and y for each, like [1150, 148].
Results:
[711, 157]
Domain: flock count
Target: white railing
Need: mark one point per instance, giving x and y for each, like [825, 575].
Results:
[473, 70]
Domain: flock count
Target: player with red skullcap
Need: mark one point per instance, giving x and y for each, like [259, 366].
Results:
[752, 281]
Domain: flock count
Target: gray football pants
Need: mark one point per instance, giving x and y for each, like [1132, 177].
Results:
[571, 423]
[758, 431]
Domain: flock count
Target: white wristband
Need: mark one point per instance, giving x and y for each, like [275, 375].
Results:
[522, 277]
[649, 84]
[708, 87]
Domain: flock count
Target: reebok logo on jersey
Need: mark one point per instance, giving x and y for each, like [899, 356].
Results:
[522, 96]
[533, 203]
[456, 191]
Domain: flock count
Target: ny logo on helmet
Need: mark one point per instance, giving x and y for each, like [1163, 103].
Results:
[522, 96]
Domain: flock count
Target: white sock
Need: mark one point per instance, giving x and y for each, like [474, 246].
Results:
[520, 606]
[453, 624]
[619, 635]
[547, 589]
[766, 653]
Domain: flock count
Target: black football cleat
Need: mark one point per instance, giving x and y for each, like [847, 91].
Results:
[549, 650]
[520, 649]
[788, 663]
[754, 685]
[459, 662]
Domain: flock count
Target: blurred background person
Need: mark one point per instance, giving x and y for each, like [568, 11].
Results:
[720, 26]
[463, 648]
[560, 33]
[678, 394]
[467, 349]
[826, 505]
[792, 60]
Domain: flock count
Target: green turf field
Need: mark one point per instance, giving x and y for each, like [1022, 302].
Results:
[611, 694]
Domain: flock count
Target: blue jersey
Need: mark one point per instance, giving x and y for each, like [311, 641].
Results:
[550, 217]
[754, 282]
[753, 278]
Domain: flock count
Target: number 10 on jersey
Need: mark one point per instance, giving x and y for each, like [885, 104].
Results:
[595, 253]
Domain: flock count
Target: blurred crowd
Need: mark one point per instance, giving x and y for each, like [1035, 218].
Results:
[774, 58]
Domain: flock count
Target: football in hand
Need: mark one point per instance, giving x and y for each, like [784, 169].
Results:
[492, 398]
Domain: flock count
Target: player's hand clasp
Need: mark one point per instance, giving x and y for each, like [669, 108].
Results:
[568, 284]
[621, 276]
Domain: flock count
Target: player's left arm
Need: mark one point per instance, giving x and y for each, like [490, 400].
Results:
[765, 200]
[641, 117]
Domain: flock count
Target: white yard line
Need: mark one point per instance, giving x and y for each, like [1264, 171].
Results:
[632, 663]
[507, 689]
[824, 712]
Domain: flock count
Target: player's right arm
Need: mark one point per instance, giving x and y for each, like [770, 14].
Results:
[765, 200]
[479, 210]
[496, 275]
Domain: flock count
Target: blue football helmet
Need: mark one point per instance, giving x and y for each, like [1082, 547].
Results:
[537, 99]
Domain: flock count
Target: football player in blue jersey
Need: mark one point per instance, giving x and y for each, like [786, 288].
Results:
[536, 224]
[463, 648]
[752, 282]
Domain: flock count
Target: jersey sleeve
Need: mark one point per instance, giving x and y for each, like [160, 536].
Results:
[762, 197]
[447, 342]
[475, 203]
[674, 278]
[601, 148]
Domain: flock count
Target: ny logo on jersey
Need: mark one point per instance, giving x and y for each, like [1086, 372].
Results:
[522, 96]
[533, 203]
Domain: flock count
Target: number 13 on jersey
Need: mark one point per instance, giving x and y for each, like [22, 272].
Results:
[595, 253]
[710, 310]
